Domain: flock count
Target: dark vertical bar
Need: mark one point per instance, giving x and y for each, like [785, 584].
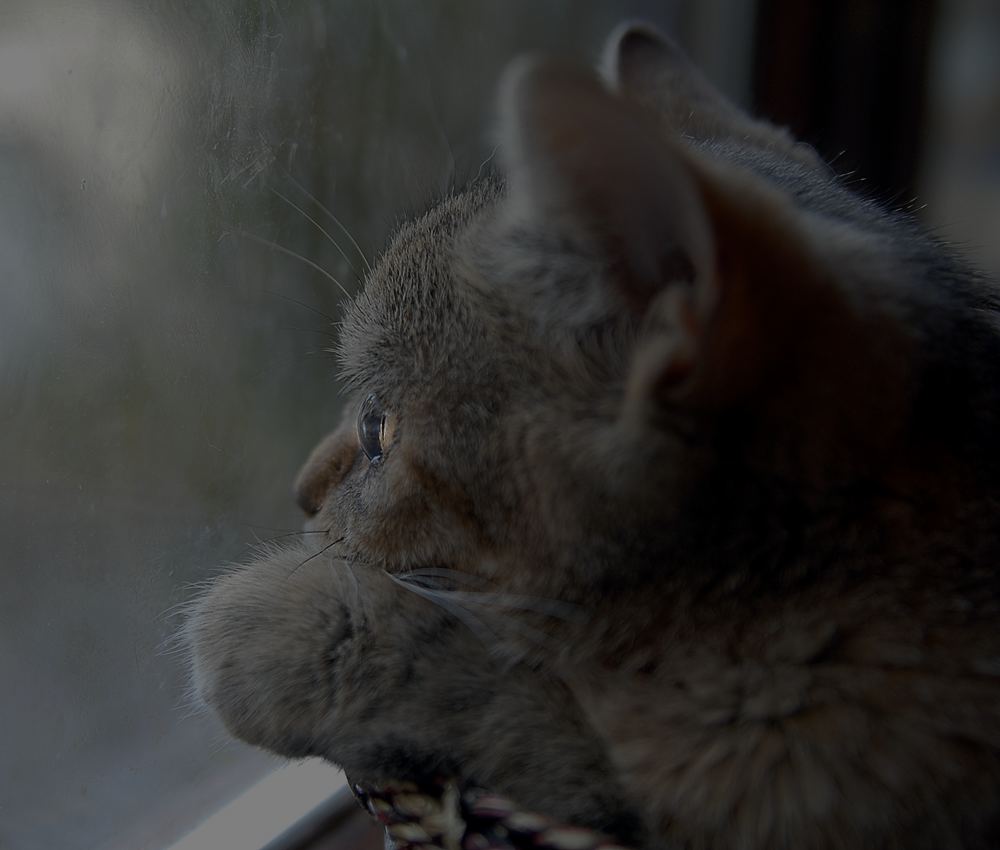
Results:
[850, 77]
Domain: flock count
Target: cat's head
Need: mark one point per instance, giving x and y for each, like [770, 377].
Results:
[665, 322]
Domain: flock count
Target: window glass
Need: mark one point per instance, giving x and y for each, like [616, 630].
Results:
[166, 309]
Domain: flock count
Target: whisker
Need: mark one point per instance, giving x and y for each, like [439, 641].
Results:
[506, 622]
[549, 607]
[538, 604]
[268, 528]
[334, 219]
[467, 618]
[444, 572]
[275, 246]
[316, 555]
[320, 228]
[259, 541]
[456, 603]
[487, 601]
[319, 332]
[316, 310]
[326, 334]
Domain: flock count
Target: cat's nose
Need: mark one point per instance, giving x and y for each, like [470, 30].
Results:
[308, 496]
[326, 467]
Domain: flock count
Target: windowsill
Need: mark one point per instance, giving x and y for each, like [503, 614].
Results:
[275, 808]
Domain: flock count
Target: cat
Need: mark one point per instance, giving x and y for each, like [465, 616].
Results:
[667, 502]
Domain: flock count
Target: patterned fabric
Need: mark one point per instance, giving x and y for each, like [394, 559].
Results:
[441, 815]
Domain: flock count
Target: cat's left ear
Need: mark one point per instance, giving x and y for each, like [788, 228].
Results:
[584, 164]
[607, 215]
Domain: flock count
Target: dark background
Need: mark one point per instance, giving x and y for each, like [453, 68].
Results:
[163, 352]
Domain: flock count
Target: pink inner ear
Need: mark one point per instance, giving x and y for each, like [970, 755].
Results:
[584, 160]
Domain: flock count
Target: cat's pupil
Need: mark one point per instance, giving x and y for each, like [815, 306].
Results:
[371, 426]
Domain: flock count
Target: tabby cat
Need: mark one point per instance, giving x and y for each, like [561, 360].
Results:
[667, 502]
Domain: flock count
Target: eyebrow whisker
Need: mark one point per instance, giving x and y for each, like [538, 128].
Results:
[302, 304]
[278, 247]
[334, 219]
[320, 228]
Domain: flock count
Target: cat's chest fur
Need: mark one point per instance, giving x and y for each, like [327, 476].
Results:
[810, 724]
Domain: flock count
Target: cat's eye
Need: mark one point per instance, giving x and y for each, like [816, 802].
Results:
[372, 429]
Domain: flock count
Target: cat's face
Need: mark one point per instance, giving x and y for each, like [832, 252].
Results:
[665, 316]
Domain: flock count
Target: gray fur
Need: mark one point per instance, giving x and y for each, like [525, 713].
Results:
[715, 438]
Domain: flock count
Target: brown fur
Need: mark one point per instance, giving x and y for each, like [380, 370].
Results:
[687, 528]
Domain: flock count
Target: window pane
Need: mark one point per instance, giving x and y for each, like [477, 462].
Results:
[163, 348]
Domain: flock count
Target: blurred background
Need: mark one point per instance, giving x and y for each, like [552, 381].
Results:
[167, 299]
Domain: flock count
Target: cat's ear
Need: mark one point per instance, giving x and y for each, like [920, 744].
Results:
[643, 64]
[586, 165]
[607, 215]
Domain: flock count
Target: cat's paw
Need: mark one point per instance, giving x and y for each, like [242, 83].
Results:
[265, 641]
